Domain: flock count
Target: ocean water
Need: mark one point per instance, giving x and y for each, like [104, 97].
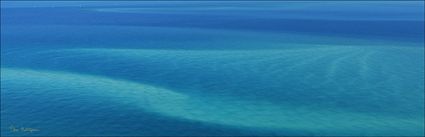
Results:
[212, 68]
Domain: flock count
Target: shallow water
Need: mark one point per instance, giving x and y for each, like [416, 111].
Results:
[212, 68]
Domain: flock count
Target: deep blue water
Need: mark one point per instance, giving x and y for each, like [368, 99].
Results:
[212, 68]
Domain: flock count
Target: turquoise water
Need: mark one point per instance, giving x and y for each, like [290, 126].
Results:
[212, 68]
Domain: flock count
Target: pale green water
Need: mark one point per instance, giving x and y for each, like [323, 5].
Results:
[213, 68]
